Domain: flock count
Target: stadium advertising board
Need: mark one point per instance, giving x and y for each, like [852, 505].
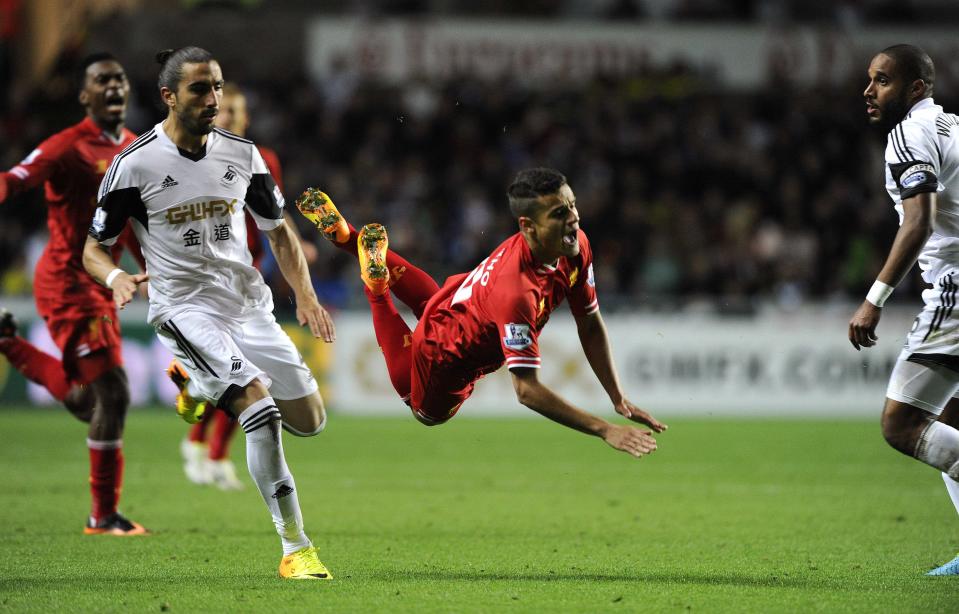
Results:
[697, 365]
[742, 56]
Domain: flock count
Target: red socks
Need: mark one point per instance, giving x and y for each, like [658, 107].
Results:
[413, 286]
[223, 428]
[218, 440]
[37, 366]
[393, 337]
[197, 432]
[106, 476]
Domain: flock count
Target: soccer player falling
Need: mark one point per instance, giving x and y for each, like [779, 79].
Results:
[921, 413]
[479, 320]
[80, 315]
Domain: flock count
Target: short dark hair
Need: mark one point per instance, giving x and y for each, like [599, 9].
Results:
[171, 64]
[913, 63]
[529, 185]
[88, 61]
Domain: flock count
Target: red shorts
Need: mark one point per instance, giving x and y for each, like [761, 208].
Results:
[437, 390]
[90, 344]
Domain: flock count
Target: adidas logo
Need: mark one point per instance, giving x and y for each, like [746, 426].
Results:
[169, 182]
[283, 491]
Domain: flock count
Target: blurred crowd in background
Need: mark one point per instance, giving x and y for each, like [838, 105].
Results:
[692, 196]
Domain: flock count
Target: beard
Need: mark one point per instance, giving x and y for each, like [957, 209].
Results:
[894, 111]
[193, 125]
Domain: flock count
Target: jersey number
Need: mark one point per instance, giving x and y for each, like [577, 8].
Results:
[479, 274]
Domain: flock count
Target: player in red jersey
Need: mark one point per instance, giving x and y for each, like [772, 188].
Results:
[205, 450]
[493, 315]
[80, 313]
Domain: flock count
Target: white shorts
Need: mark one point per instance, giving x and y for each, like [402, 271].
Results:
[925, 385]
[221, 353]
[926, 374]
[936, 328]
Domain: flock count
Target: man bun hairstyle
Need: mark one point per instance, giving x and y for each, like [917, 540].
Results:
[913, 63]
[171, 63]
[529, 185]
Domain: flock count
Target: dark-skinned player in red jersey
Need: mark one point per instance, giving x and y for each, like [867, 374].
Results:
[79, 312]
[493, 315]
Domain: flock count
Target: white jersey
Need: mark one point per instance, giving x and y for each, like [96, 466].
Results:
[187, 212]
[922, 155]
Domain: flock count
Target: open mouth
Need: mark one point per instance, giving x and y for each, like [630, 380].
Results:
[115, 103]
[871, 109]
[569, 239]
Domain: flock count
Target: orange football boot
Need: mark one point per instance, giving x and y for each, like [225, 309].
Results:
[371, 247]
[317, 207]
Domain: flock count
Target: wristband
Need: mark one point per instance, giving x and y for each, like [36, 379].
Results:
[113, 275]
[879, 293]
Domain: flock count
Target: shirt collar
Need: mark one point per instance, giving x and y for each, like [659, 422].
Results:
[922, 104]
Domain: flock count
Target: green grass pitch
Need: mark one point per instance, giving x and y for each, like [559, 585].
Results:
[489, 515]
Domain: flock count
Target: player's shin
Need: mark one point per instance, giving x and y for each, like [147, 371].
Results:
[938, 447]
[264, 454]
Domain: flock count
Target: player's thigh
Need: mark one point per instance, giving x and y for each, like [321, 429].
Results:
[265, 343]
[207, 348]
[89, 344]
[436, 393]
[922, 385]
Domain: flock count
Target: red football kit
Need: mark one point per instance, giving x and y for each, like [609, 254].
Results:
[493, 315]
[79, 312]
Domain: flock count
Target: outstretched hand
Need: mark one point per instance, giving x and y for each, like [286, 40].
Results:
[630, 439]
[626, 409]
[312, 314]
[124, 287]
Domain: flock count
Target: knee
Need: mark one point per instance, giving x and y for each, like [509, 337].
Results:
[308, 425]
[901, 427]
[112, 391]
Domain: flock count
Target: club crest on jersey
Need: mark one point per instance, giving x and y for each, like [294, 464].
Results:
[229, 178]
[517, 336]
[916, 174]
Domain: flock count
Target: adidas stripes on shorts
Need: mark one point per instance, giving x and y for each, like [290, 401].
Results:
[926, 374]
[219, 352]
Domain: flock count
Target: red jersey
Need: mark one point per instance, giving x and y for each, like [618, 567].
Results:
[479, 320]
[71, 163]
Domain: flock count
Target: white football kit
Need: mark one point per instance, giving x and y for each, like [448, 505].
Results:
[922, 155]
[209, 305]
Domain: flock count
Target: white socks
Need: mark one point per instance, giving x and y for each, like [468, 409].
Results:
[264, 457]
[952, 487]
[939, 447]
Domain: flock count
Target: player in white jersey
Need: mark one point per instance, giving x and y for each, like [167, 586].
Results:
[184, 186]
[921, 413]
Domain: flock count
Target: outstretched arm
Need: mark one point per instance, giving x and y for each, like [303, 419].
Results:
[595, 342]
[533, 394]
[99, 264]
[289, 257]
[911, 237]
